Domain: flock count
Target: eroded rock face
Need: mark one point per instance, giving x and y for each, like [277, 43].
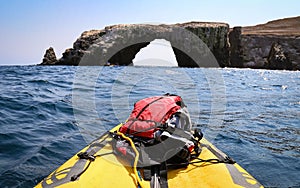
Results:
[49, 57]
[255, 50]
[251, 48]
[72, 56]
[278, 58]
[119, 44]
[236, 53]
[243, 47]
[214, 35]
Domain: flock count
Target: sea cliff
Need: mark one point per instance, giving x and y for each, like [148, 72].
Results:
[274, 45]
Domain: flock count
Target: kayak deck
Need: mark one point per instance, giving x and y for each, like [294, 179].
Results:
[109, 170]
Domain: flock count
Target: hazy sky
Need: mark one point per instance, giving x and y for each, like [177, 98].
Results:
[29, 27]
[158, 53]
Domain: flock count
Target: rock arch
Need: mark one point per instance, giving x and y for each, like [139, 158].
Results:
[195, 44]
[127, 54]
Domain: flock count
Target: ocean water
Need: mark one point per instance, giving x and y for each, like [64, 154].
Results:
[47, 114]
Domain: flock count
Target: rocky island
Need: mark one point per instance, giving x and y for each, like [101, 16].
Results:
[274, 45]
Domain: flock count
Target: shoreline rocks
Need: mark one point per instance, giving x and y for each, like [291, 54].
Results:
[278, 58]
[274, 45]
[252, 46]
[49, 57]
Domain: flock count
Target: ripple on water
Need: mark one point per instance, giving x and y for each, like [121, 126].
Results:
[38, 129]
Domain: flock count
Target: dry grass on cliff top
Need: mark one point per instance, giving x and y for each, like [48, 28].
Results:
[281, 27]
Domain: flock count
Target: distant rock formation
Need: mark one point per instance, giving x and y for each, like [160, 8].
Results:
[236, 53]
[49, 57]
[214, 35]
[243, 47]
[278, 58]
[118, 44]
[251, 47]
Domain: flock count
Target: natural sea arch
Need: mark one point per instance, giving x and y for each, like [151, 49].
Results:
[120, 45]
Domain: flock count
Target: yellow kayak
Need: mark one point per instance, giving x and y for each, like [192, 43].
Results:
[106, 169]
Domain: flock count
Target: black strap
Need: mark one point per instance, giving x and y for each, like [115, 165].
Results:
[227, 160]
[89, 154]
[146, 106]
[145, 120]
[147, 173]
[157, 125]
[143, 109]
[163, 173]
[91, 158]
[159, 173]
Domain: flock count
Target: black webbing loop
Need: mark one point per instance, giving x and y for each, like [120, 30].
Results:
[85, 155]
[227, 160]
[75, 177]
[159, 174]
[163, 173]
[91, 158]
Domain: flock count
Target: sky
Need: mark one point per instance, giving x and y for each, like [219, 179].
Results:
[29, 27]
[164, 55]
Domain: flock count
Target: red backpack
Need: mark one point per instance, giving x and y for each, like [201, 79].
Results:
[159, 129]
[149, 114]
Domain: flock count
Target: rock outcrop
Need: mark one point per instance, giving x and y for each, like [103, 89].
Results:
[244, 47]
[214, 35]
[236, 53]
[118, 44]
[250, 47]
[49, 57]
[278, 58]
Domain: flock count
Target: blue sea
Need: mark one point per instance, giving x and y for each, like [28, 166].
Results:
[47, 114]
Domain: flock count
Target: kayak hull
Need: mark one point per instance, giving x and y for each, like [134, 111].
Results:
[109, 170]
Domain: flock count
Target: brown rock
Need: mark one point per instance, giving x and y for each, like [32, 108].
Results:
[278, 58]
[248, 47]
[252, 47]
[49, 57]
[281, 27]
[236, 53]
[118, 44]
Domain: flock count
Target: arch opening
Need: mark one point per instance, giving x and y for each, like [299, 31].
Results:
[158, 53]
[127, 54]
